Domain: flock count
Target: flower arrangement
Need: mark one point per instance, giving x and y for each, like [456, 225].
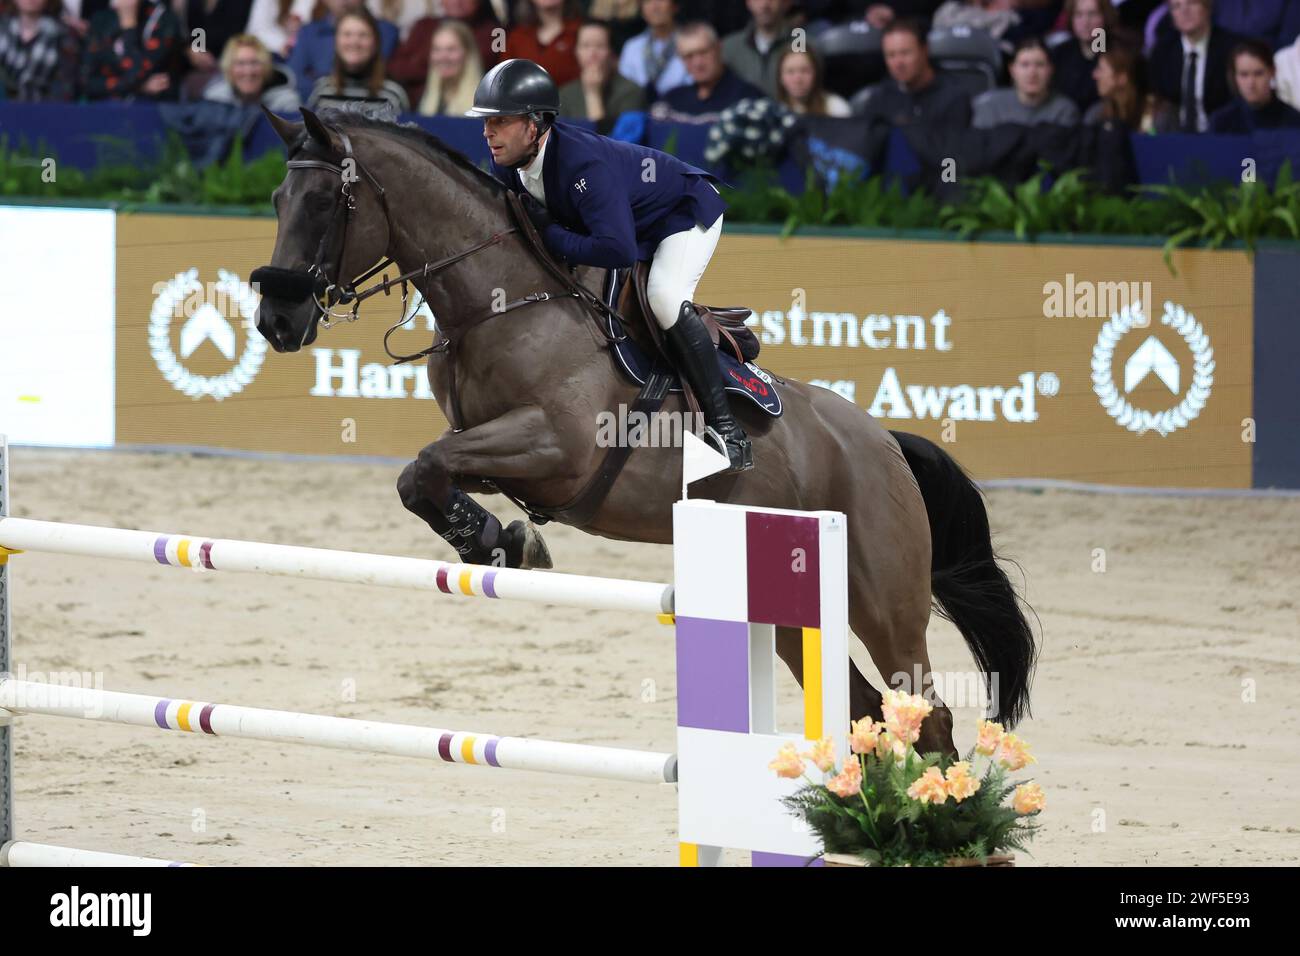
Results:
[894, 807]
[752, 131]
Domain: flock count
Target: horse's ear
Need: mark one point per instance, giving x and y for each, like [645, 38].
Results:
[315, 128]
[287, 130]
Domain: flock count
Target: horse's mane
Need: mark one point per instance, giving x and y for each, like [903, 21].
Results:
[423, 141]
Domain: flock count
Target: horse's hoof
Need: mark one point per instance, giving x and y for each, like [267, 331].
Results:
[534, 553]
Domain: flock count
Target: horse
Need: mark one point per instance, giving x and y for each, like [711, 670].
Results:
[532, 372]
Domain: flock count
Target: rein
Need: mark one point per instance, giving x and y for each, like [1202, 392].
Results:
[327, 291]
[321, 284]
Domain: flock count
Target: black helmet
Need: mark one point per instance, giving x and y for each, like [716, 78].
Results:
[515, 88]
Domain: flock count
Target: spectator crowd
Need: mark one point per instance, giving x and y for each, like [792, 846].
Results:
[1158, 66]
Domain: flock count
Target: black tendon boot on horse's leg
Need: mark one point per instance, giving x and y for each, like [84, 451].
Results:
[476, 535]
[695, 354]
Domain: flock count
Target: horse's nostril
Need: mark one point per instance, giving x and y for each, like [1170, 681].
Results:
[281, 327]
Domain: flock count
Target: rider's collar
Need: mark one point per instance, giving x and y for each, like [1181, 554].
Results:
[533, 169]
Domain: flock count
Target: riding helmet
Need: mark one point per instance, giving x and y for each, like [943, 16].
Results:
[515, 88]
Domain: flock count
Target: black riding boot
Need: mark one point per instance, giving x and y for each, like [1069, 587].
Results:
[695, 354]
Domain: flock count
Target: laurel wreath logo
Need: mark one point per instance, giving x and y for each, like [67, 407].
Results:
[1137, 419]
[160, 346]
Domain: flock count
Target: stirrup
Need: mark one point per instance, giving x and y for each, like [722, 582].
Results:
[738, 452]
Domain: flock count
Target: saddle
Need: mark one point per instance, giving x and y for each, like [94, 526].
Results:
[726, 324]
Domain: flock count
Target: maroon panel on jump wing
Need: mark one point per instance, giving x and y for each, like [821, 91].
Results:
[784, 569]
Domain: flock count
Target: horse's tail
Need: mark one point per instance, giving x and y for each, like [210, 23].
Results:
[970, 588]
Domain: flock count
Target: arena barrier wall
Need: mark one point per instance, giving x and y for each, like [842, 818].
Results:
[1018, 356]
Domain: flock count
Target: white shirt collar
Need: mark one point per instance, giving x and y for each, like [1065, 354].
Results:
[1201, 46]
[534, 169]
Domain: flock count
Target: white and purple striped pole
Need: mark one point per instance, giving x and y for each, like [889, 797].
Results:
[338, 733]
[383, 570]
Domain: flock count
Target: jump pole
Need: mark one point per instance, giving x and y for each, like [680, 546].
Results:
[740, 573]
[383, 570]
[18, 853]
[337, 733]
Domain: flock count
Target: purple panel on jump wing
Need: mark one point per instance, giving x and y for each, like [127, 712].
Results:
[713, 674]
[782, 859]
[784, 569]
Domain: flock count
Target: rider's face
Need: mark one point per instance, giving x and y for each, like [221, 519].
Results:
[509, 138]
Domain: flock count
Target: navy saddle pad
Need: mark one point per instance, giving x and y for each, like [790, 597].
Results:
[740, 378]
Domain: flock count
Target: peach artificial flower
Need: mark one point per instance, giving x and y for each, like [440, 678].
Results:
[1013, 753]
[862, 736]
[1028, 799]
[989, 738]
[848, 781]
[887, 743]
[929, 787]
[904, 714]
[788, 763]
[960, 784]
[823, 755]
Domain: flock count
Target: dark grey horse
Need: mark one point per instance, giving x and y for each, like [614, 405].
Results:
[532, 381]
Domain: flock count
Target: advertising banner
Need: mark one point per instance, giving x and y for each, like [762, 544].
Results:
[193, 370]
[1084, 363]
[56, 326]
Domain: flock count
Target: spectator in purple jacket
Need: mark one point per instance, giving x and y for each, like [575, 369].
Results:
[313, 51]
[38, 54]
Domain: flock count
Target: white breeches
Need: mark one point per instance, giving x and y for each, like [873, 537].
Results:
[675, 271]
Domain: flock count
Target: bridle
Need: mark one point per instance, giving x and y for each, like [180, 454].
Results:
[327, 290]
[322, 281]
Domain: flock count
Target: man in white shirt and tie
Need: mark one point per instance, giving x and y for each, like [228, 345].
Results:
[1189, 67]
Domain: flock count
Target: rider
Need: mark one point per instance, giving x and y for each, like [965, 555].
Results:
[601, 202]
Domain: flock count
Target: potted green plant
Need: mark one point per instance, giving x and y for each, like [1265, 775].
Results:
[887, 805]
